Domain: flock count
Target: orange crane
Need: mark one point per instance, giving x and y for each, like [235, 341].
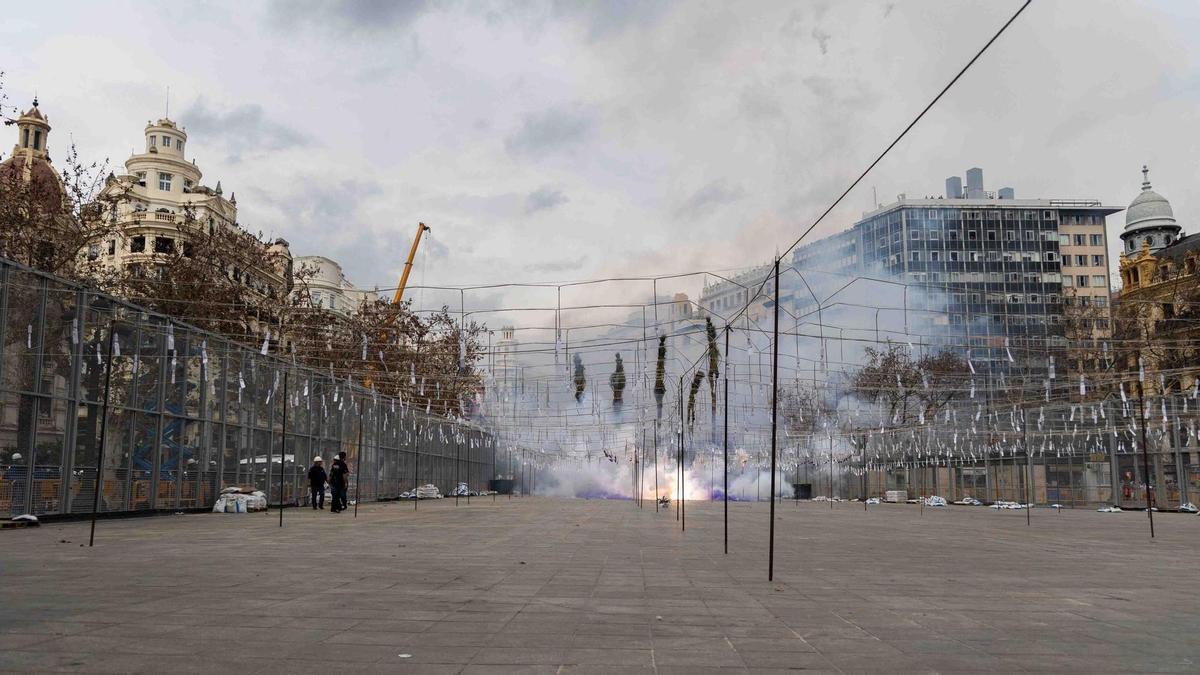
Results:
[422, 228]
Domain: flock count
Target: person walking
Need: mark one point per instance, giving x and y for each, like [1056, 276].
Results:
[339, 473]
[316, 483]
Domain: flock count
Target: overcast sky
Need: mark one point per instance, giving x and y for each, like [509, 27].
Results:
[549, 141]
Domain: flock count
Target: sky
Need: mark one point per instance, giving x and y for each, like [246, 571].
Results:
[558, 141]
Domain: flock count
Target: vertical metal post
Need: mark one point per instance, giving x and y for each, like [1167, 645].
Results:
[679, 458]
[358, 465]
[725, 490]
[1145, 455]
[283, 444]
[774, 424]
[657, 496]
[416, 460]
[112, 332]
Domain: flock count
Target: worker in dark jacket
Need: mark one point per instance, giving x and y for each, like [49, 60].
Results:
[339, 475]
[316, 483]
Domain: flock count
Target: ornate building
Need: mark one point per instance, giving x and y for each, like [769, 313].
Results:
[1158, 306]
[328, 286]
[159, 202]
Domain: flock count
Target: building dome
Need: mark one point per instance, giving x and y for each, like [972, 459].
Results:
[1148, 206]
[27, 172]
[1148, 215]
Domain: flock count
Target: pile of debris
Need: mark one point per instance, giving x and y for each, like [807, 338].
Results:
[240, 499]
[426, 491]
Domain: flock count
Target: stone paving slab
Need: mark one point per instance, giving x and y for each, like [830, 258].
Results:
[566, 586]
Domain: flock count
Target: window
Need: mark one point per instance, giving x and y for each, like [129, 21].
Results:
[187, 249]
[991, 235]
[1099, 281]
[915, 256]
[1096, 239]
[1081, 281]
[1030, 235]
[1079, 240]
[972, 235]
[187, 183]
[953, 256]
[137, 244]
[1010, 235]
[1098, 261]
[154, 141]
[952, 235]
[164, 181]
[1034, 297]
[141, 178]
[934, 235]
[112, 246]
[166, 141]
[1101, 301]
[93, 251]
[317, 298]
[333, 302]
[976, 256]
[914, 234]
[37, 140]
[935, 256]
[25, 138]
[1068, 281]
[1064, 240]
[1050, 256]
[164, 245]
[1081, 261]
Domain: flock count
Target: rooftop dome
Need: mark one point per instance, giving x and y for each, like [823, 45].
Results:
[1149, 209]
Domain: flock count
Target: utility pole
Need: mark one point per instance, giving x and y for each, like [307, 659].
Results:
[774, 424]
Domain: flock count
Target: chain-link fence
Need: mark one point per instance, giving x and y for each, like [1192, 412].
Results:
[188, 413]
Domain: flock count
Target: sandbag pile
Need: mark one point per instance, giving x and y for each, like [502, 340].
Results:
[238, 499]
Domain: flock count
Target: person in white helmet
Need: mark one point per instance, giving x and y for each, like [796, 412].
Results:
[316, 482]
[17, 473]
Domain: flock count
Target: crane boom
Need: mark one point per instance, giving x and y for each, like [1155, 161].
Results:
[412, 253]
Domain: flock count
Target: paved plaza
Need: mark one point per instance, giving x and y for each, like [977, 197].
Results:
[548, 585]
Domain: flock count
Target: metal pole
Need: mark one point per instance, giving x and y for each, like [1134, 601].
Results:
[112, 332]
[726, 462]
[774, 425]
[1145, 455]
[283, 444]
[416, 460]
[656, 494]
[679, 458]
[359, 464]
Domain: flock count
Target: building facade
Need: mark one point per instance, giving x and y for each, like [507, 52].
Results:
[1158, 305]
[328, 286]
[159, 203]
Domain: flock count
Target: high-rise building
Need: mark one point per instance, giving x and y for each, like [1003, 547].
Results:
[989, 272]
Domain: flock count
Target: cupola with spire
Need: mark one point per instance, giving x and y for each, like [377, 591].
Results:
[33, 132]
[1149, 220]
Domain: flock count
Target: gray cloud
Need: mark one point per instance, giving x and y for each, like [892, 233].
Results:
[549, 131]
[822, 39]
[244, 128]
[347, 15]
[552, 267]
[544, 198]
[609, 18]
[716, 193]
